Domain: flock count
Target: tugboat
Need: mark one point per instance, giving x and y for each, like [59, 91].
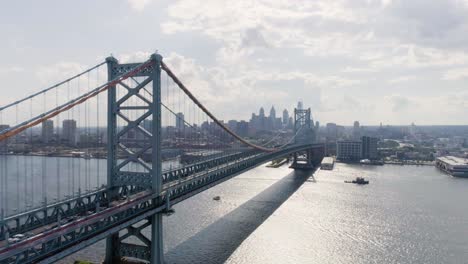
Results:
[358, 180]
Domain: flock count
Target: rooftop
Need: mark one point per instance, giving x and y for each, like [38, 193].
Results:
[454, 161]
[328, 160]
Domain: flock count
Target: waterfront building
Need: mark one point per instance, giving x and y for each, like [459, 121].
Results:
[327, 163]
[69, 131]
[4, 143]
[47, 132]
[455, 166]
[369, 148]
[348, 150]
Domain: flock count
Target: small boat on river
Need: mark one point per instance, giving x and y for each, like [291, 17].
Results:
[358, 180]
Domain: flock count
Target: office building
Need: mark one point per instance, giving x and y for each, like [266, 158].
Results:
[348, 150]
[47, 132]
[356, 131]
[331, 132]
[69, 132]
[300, 105]
[180, 121]
[369, 148]
[285, 117]
[232, 125]
[243, 128]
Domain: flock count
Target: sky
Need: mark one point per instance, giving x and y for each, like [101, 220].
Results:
[390, 61]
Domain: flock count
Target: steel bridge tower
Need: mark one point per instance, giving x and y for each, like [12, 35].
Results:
[131, 172]
[305, 134]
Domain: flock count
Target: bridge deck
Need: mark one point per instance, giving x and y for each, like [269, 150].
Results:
[52, 242]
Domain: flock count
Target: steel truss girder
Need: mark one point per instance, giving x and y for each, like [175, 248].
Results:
[28, 221]
[65, 240]
[40, 217]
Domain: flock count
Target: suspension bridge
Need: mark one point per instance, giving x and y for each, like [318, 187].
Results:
[61, 193]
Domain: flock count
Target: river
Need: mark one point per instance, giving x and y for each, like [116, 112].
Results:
[407, 214]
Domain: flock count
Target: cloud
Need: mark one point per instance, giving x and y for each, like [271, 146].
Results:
[139, 5]
[399, 103]
[11, 69]
[402, 79]
[456, 74]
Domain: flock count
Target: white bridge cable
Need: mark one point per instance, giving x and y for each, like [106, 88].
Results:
[205, 110]
[272, 139]
[173, 113]
[9, 132]
[52, 87]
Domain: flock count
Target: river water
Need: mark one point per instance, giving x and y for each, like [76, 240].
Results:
[407, 214]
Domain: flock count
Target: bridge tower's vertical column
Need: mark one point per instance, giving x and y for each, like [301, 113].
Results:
[113, 240]
[139, 168]
[157, 250]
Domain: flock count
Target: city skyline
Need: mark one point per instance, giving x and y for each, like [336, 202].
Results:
[351, 68]
[158, 131]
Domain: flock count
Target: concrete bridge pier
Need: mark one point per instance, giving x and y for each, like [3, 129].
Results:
[308, 159]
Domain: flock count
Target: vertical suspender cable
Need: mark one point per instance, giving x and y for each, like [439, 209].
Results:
[17, 165]
[69, 160]
[97, 159]
[57, 159]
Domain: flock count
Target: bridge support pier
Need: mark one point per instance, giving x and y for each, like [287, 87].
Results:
[157, 249]
[308, 159]
[302, 161]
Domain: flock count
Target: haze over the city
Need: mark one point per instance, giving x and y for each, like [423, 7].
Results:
[395, 62]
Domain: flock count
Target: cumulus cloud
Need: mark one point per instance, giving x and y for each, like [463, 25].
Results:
[368, 60]
[456, 74]
[11, 69]
[400, 103]
[339, 46]
[139, 5]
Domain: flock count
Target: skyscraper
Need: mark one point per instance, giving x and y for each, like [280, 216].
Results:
[332, 132]
[47, 131]
[69, 131]
[272, 119]
[369, 148]
[180, 121]
[356, 130]
[262, 112]
[299, 105]
[272, 113]
[285, 117]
